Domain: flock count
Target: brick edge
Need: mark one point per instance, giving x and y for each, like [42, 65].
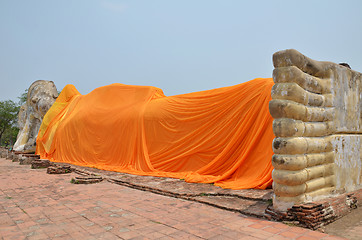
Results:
[314, 215]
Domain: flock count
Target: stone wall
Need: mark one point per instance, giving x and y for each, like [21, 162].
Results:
[317, 107]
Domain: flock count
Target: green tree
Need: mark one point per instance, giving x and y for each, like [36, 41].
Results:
[8, 119]
[9, 136]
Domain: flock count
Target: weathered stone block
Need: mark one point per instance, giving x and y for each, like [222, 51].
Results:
[15, 156]
[59, 169]
[40, 163]
[86, 179]
[3, 152]
[26, 160]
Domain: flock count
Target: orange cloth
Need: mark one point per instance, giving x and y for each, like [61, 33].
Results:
[222, 136]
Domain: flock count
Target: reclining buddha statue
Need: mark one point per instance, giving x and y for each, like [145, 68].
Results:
[220, 136]
[310, 140]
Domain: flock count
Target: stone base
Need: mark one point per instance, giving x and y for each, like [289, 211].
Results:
[3, 152]
[59, 169]
[40, 163]
[15, 156]
[26, 160]
[317, 214]
[30, 155]
[86, 180]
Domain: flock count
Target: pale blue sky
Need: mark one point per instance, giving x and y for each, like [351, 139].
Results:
[179, 46]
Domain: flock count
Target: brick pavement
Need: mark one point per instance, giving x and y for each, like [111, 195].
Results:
[36, 205]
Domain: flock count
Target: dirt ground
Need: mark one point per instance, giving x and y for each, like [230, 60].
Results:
[349, 226]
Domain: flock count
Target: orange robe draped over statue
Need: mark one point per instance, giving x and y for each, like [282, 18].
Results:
[222, 136]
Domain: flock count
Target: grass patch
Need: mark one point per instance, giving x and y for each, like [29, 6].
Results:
[74, 181]
[21, 209]
[290, 224]
[156, 222]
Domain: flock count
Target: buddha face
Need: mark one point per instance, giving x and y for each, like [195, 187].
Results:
[41, 96]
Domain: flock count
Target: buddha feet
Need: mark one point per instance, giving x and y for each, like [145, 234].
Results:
[317, 107]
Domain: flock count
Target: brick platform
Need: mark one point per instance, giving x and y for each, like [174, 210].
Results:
[36, 205]
[250, 201]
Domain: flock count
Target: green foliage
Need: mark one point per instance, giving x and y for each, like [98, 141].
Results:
[9, 111]
[8, 118]
[9, 136]
[74, 181]
[156, 222]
